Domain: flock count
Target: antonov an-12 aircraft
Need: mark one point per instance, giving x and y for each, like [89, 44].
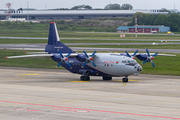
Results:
[107, 65]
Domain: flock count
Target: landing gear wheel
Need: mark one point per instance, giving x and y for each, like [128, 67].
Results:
[85, 78]
[125, 80]
[82, 78]
[107, 78]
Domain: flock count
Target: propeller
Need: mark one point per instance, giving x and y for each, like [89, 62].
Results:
[64, 59]
[150, 58]
[133, 56]
[88, 59]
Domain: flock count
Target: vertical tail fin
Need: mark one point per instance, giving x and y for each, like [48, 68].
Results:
[53, 34]
[54, 42]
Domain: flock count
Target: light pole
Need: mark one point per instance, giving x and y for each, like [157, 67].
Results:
[136, 26]
[27, 11]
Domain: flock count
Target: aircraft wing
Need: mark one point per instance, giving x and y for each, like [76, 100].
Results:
[170, 55]
[40, 54]
[64, 54]
[36, 52]
[24, 56]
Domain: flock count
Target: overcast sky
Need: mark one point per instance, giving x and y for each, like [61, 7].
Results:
[137, 4]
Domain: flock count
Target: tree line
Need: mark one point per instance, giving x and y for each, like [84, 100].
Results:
[107, 7]
[172, 20]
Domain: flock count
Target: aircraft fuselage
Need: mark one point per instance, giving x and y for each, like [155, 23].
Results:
[107, 64]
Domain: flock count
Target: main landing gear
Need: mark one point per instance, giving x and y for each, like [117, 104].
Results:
[107, 78]
[125, 80]
[85, 78]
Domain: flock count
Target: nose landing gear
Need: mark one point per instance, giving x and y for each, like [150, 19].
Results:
[125, 80]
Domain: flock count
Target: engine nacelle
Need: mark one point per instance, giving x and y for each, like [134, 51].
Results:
[56, 57]
[142, 57]
[81, 57]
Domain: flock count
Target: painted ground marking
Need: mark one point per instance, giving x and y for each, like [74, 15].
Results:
[94, 110]
[24, 109]
[32, 74]
[128, 80]
[65, 110]
[79, 81]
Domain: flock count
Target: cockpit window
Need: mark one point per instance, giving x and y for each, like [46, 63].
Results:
[128, 61]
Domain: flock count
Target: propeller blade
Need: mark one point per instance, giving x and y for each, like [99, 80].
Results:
[93, 53]
[145, 62]
[135, 53]
[93, 63]
[127, 54]
[153, 64]
[147, 52]
[59, 64]
[84, 64]
[69, 65]
[85, 54]
[69, 54]
[154, 54]
[60, 54]
[89, 59]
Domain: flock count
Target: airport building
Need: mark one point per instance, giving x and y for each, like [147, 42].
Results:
[142, 29]
[72, 14]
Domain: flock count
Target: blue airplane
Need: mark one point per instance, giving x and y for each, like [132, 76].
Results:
[107, 65]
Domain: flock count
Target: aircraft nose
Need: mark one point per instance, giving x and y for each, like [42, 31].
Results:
[138, 67]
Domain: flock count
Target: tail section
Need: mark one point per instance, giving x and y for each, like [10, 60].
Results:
[53, 34]
[54, 42]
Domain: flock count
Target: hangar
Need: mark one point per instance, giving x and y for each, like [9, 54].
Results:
[142, 29]
[73, 14]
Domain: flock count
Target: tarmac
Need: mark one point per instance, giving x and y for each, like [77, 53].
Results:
[41, 47]
[46, 94]
[34, 38]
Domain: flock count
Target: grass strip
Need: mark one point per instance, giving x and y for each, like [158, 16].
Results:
[162, 46]
[36, 41]
[164, 65]
[91, 35]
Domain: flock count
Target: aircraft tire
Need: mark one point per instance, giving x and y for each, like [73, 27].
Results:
[107, 78]
[125, 80]
[84, 78]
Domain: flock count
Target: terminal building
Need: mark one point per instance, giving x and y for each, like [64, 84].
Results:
[72, 14]
[142, 29]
